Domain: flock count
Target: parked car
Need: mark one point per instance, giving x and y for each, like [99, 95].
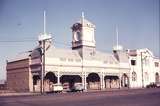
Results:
[57, 88]
[77, 87]
[151, 85]
[158, 85]
[66, 87]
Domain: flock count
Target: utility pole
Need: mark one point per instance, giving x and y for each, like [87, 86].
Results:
[43, 38]
[83, 75]
[43, 67]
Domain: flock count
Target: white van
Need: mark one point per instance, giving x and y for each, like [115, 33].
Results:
[57, 88]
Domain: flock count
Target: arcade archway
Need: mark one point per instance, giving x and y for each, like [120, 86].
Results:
[49, 80]
[124, 80]
[93, 81]
[70, 80]
[51, 77]
[36, 83]
[157, 78]
[111, 81]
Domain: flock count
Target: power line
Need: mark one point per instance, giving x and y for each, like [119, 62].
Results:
[28, 41]
[14, 41]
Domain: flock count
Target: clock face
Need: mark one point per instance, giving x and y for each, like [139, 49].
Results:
[79, 35]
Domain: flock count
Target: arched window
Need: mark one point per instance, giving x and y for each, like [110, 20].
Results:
[134, 76]
[157, 77]
[146, 76]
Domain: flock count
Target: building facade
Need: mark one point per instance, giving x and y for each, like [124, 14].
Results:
[145, 68]
[81, 64]
[19, 73]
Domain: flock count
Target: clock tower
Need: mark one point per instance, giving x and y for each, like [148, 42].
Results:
[83, 38]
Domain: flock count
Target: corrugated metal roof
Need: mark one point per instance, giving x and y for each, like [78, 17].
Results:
[123, 57]
[74, 54]
[62, 53]
[101, 56]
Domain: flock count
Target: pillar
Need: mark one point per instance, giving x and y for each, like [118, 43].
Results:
[84, 82]
[102, 80]
[103, 83]
[58, 77]
[120, 82]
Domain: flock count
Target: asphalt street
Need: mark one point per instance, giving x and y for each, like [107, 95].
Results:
[140, 97]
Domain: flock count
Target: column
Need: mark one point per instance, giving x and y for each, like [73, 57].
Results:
[120, 82]
[128, 81]
[84, 80]
[102, 80]
[103, 83]
[58, 77]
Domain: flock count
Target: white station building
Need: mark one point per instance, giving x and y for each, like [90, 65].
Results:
[81, 64]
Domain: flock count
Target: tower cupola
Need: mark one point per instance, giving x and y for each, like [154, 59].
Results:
[83, 33]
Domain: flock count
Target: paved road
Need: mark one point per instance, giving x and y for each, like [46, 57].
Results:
[146, 97]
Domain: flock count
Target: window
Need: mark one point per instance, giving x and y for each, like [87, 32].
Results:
[133, 62]
[146, 62]
[62, 59]
[157, 80]
[70, 60]
[105, 62]
[156, 64]
[146, 76]
[134, 76]
[78, 60]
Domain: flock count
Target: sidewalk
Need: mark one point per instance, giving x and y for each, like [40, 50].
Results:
[116, 89]
[11, 93]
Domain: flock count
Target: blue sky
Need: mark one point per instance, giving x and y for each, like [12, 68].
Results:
[22, 20]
